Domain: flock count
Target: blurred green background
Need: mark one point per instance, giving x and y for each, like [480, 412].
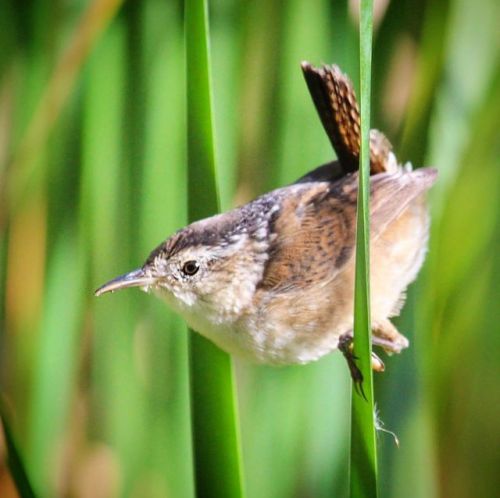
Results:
[93, 176]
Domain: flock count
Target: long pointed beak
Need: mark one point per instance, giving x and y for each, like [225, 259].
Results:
[136, 278]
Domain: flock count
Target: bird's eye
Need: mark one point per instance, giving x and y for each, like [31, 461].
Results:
[190, 268]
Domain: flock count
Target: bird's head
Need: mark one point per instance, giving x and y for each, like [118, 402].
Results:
[207, 271]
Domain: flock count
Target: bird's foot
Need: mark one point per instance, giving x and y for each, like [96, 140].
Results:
[346, 346]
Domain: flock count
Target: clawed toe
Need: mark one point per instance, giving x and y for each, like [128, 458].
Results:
[377, 363]
[346, 347]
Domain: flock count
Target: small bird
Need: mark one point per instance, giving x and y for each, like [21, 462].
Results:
[273, 280]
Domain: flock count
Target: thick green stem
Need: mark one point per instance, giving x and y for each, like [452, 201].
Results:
[214, 418]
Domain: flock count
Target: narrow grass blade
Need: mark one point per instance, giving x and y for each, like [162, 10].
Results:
[363, 477]
[15, 462]
[215, 436]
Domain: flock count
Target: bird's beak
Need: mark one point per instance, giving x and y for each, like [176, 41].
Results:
[136, 278]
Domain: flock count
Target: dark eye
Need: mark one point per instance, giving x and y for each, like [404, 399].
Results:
[190, 268]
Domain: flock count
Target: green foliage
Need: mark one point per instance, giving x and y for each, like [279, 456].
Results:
[213, 406]
[363, 469]
[93, 175]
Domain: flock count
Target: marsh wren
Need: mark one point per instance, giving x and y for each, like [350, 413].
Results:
[273, 280]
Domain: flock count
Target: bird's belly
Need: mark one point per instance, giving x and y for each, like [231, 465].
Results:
[303, 326]
[284, 345]
[279, 339]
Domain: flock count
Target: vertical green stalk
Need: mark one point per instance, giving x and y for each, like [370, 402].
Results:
[363, 478]
[214, 419]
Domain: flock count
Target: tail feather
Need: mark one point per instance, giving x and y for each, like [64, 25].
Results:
[335, 101]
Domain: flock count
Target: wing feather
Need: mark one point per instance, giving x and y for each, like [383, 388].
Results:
[315, 230]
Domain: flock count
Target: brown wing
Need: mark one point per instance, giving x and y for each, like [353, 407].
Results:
[316, 227]
[314, 234]
[335, 100]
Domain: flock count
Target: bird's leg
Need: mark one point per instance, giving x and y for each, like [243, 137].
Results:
[346, 347]
[385, 335]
